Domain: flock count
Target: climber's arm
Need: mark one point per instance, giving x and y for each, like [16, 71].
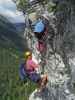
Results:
[34, 65]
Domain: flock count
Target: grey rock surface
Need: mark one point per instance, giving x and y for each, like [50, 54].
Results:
[60, 56]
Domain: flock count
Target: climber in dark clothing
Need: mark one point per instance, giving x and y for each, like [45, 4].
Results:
[40, 31]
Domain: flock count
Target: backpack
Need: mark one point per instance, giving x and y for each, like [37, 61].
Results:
[39, 26]
[22, 72]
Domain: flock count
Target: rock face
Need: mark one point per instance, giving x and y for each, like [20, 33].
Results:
[59, 57]
[52, 94]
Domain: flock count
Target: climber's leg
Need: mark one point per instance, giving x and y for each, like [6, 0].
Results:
[42, 83]
[41, 46]
[35, 77]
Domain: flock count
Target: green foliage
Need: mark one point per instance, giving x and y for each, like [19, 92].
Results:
[23, 5]
[11, 87]
[51, 7]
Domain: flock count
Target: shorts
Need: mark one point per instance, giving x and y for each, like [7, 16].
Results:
[35, 77]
